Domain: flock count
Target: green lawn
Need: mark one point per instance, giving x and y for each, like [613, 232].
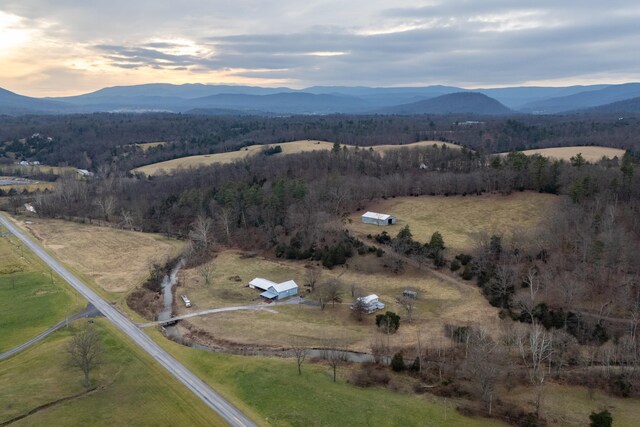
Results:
[272, 388]
[132, 388]
[31, 299]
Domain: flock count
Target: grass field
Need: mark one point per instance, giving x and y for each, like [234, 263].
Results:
[590, 153]
[272, 388]
[29, 301]
[458, 218]
[287, 148]
[132, 388]
[116, 260]
[439, 303]
[570, 406]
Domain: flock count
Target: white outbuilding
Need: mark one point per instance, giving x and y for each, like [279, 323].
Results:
[274, 291]
[378, 218]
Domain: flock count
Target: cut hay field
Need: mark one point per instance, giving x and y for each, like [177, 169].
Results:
[31, 298]
[293, 147]
[116, 260]
[439, 303]
[590, 153]
[459, 218]
[132, 389]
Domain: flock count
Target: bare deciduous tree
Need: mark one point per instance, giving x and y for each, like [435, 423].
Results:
[535, 345]
[85, 351]
[300, 352]
[312, 278]
[483, 364]
[201, 231]
[334, 354]
[206, 272]
[409, 305]
[330, 291]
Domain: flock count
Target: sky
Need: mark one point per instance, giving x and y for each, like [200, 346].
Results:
[67, 47]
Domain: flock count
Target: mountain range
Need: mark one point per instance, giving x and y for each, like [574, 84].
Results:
[229, 99]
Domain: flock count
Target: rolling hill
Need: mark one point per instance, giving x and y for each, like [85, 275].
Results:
[454, 103]
[584, 100]
[14, 104]
[627, 106]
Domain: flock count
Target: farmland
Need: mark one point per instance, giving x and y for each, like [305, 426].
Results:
[287, 148]
[590, 153]
[116, 260]
[31, 298]
[132, 389]
[439, 303]
[460, 218]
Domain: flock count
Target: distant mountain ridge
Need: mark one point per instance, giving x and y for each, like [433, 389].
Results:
[228, 99]
[454, 103]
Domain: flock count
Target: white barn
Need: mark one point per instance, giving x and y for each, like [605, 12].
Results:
[274, 291]
[378, 218]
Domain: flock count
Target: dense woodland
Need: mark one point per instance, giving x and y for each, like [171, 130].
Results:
[574, 284]
[87, 141]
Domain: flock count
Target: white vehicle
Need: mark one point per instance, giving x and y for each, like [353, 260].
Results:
[187, 302]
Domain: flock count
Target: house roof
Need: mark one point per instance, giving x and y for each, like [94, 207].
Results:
[374, 215]
[285, 286]
[369, 298]
[268, 295]
[261, 283]
[265, 285]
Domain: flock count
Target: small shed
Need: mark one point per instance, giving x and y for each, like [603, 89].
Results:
[378, 218]
[274, 291]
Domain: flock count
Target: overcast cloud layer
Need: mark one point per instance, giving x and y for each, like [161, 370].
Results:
[66, 46]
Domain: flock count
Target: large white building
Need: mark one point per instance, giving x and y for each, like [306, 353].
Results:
[378, 218]
[272, 290]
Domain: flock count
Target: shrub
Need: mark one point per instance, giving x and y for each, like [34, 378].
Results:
[455, 265]
[388, 322]
[601, 419]
[397, 362]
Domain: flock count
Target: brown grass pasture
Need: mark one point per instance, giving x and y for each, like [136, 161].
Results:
[590, 153]
[293, 147]
[439, 303]
[565, 405]
[459, 218]
[116, 260]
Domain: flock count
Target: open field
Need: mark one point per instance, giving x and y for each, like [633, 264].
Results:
[116, 260]
[30, 302]
[30, 187]
[458, 218]
[287, 148]
[570, 406]
[132, 388]
[590, 153]
[312, 399]
[439, 303]
[30, 169]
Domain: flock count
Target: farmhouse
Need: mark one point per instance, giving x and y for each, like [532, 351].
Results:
[378, 218]
[371, 303]
[274, 291]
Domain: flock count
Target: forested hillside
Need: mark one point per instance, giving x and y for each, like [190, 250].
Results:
[86, 141]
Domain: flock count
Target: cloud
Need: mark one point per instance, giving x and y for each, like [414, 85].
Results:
[458, 42]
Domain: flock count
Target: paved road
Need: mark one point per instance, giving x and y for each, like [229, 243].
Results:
[90, 311]
[265, 307]
[216, 402]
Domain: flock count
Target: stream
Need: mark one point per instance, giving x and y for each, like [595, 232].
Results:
[167, 295]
